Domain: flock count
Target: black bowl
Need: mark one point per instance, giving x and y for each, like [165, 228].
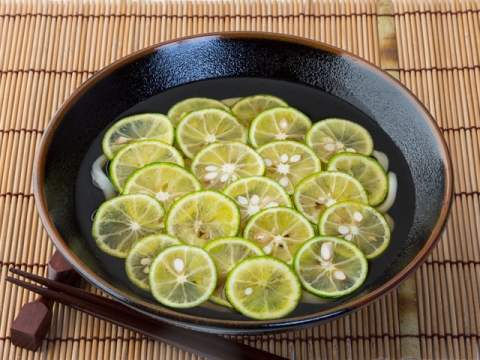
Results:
[320, 80]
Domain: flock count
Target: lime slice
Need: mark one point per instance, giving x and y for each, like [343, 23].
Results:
[121, 221]
[219, 164]
[165, 181]
[279, 231]
[248, 107]
[288, 162]
[332, 136]
[255, 193]
[367, 170]
[318, 191]
[359, 223]
[137, 154]
[330, 267]
[201, 216]
[142, 253]
[279, 123]
[149, 126]
[181, 108]
[263, 288]
[226, 253]
[182, 276]
[199, 128]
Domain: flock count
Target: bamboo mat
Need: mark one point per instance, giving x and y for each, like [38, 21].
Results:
[47, 49]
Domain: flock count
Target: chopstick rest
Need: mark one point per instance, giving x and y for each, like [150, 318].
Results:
[210, 346]
[34, 319]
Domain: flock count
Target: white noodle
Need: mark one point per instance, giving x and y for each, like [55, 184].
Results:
[312, 299]
[391, 195]
[100, 180]
[382, 158]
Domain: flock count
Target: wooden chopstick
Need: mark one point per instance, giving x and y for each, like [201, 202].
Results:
[209, 346]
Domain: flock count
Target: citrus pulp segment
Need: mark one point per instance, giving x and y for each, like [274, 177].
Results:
[359, 223]
[245, 109]
[149, 126]
[288, 162]
[318, 191]
[278, 123]
[332, 136]
[183, 107]
[263, 288]
[366, 170]
[219, 164]
[279, 231]
[255, 193]
[330, 267]
[226, 252]
[199, 128]
[182, 276]
[201, 216]
[165, 181]
[141, 255]
[121, 221]
[137, 154]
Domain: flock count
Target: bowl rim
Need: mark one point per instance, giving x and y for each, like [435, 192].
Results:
[210, 324]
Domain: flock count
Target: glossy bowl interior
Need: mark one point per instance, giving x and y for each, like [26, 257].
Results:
[318, 79]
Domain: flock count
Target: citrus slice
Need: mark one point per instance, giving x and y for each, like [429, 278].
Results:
[359, 223]
[263, 288]
[330, 267]
[255, 193]
[248, 107]
[219, 164]
[366, 170]
[199, 128]
[278, 123]
[149, 126]
[181, 108]
[279, 231]
[137, 154]
[142, 253]
[318, 191]
[201, 216]
[226, 253]
[121, 221]
[288, 162]
[165, 181]
[182, 276]
[332, 136]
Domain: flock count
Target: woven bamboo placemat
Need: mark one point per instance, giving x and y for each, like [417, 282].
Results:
[47, 49]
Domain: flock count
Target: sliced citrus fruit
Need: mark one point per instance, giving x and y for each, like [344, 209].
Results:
[137, 154]
[165, 181]
[248, 107]
[226, 253]
[255, 193]
[181, 108]
[330, 267]
[288, 162]
[279, 231]
[201, 216]
[359, 223]
[182, 276]
[263, 288]
[367, 170]
[121, 221]
[141, 255]
[219, 164]
[199, 128]
[278, 123]
[320, 190]
[332, 136]
[149, 126]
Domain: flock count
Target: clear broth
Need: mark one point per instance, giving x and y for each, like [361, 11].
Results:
[314, 103]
